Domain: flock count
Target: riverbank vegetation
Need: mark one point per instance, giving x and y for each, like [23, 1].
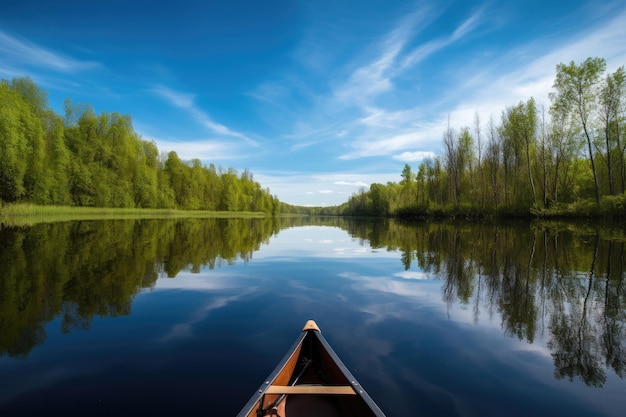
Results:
[564, 160]
[29, 214]
[88, 160]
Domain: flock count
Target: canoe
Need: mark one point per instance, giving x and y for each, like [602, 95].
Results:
[311, 380]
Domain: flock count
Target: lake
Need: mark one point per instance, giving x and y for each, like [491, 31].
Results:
[187, 317]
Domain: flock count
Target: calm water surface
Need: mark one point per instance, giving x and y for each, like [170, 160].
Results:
[180, 317]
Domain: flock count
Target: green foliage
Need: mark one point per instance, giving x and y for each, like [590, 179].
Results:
[532, 164]
[613, 205]
[91, 160]
[22, 148]
[576, 92]
[13, 144]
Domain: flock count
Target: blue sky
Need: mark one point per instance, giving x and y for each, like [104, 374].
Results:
[315, 98]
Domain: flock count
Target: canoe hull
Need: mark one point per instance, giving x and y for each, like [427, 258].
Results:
[311, 380]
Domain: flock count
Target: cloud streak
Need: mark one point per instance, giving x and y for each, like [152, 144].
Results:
[352, 112]
[395, 132]
[186, 102]
[206, 150]
[423, 51]
[16, 52]
[514, 77]
[375, 76]
[305, 188]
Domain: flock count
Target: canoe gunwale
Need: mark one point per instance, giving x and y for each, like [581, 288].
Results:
[358, 389]
[260, 392]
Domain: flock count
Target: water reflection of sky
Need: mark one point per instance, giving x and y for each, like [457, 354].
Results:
[204, 341]
[415, 351]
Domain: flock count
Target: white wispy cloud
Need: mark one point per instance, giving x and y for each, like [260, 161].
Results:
[387, 131]
[354, 184]
[351, 112]
[303, 188]
[186, 101]
[19, 53]
[395, 57]
[375, 75]
[414, 156]
[376, 117]
[426, 49]
[204, 149]
[529, 70]
[520, 73]
[372, 146]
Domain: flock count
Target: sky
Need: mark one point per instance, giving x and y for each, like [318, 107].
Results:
[317, 99]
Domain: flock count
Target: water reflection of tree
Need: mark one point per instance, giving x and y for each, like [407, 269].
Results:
[563, 280]
[573, 335]
[566, 280]
[80, 270]
[612, 322]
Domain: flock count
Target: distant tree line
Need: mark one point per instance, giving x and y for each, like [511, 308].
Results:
[565, 160]
[86, 159]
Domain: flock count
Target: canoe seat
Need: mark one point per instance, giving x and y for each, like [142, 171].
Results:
[311, 389]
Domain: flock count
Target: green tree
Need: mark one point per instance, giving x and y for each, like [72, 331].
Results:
[492, 161]
[36, 179]
[57, 161]
[612, 99]
[518, 131]
[407, 175]
[576, 91]
[465, 166]
[380, 199]
[177, 172]
[145, 183]
[22, 147]
[452, 159]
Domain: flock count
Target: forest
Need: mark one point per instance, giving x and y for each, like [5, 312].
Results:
[566, 160]
[90, 160]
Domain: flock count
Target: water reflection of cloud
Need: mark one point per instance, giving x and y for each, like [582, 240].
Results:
[536, 349]
[410, 291]
[183, 330]
[204, 281]
[44, 378]
[318, 242]
[385, 284]
[178, 331]
[419, 275]
[350, 252]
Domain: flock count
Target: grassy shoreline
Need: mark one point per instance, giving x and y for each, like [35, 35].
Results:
[28, 214]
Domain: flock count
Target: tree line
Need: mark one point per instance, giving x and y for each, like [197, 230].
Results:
[86, 159]
[566, 159]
